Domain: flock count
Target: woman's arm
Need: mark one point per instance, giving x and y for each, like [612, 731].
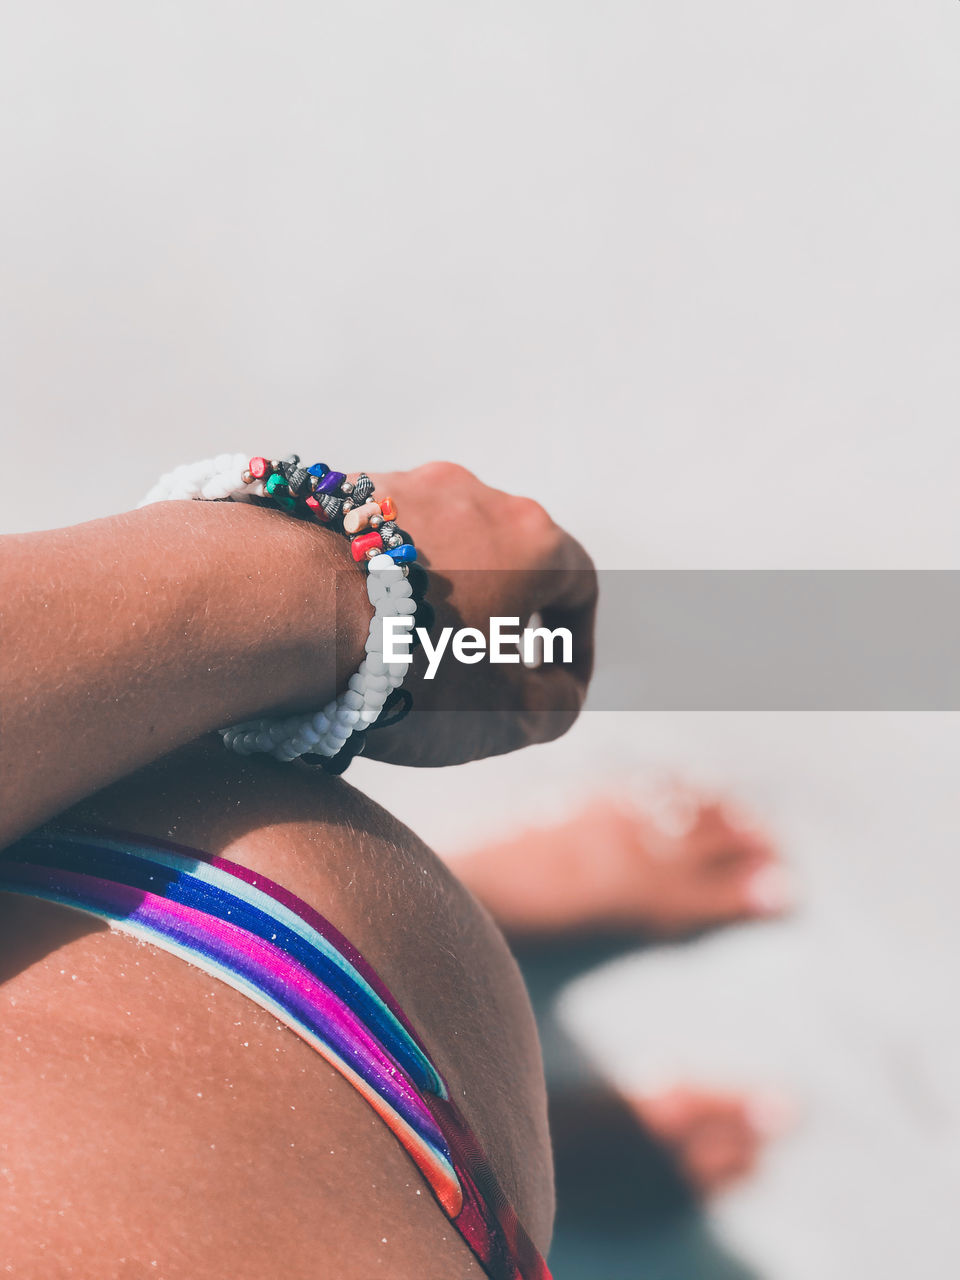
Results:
[124, 638]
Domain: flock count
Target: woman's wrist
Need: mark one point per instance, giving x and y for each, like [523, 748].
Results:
[346, 505]
[299, 613]
[128, 637]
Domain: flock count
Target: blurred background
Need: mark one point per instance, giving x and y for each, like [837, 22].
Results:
[690, 276]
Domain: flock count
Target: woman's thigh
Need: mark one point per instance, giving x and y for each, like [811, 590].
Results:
[159, 1123]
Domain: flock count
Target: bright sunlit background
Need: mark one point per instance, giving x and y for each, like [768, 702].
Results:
[686, 273]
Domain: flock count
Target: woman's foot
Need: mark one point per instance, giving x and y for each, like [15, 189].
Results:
[714, 1138]
[612, 868]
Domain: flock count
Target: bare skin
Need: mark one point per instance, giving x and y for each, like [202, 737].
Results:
[156, 1116]
[715, 1136]
[613, 869]
[126, 638]
[157, 1124]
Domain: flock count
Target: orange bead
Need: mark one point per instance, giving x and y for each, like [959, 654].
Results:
[388, 508]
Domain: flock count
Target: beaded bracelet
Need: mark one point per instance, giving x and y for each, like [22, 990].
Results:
[335, 734]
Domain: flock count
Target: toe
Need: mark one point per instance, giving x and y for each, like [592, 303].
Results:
[739, 873]
[715, 1138]
[767, 891]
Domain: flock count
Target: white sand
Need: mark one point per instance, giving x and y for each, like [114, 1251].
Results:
[702, 258]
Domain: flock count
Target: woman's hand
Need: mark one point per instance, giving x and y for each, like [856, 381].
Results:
[128, 637]
[489, 554]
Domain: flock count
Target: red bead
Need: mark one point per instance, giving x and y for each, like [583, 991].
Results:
[388, 507]
[313, 505]
[259, 467]
[366, 542]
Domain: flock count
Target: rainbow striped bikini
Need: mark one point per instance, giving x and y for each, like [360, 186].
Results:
[254, 935]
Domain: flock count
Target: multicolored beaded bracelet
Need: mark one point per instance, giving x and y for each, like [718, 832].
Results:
[395, 588]
[331, 498]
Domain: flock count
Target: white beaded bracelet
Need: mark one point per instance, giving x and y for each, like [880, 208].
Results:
[218, 477]
[389, 591]
[325, 732]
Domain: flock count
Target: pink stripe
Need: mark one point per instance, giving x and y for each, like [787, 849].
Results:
[289, 971]
[282, 895]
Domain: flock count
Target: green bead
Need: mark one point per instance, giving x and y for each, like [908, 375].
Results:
[275, 482]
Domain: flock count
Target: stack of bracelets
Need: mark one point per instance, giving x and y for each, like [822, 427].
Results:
[395, 587]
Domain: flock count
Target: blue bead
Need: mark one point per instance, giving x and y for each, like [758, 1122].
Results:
[318, 469]
[405, 554]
